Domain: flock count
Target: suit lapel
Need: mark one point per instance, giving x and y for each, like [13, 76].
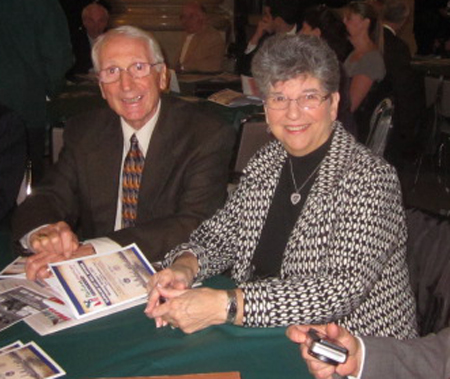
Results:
[159, 160]
[103, 182]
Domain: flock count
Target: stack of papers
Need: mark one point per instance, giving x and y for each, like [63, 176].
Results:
[231, 98]
[79, 290]
[27, 362]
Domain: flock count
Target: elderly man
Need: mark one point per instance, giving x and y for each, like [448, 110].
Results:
[203, 48]
[377, 357]
[95, 19]
[148, 170]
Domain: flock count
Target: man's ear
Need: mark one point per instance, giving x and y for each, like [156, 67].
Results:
[163, 77]
[100, 84]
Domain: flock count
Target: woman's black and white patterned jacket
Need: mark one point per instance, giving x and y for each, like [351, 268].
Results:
[345, 259]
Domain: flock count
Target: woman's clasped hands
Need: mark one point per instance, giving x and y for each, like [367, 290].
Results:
[172, 301]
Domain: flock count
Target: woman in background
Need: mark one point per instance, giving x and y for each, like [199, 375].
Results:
[327, 24]
[365, 64]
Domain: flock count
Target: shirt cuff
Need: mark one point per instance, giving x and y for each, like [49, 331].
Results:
[363, 358]
[250, 48]
[103, 245]
[25, 240]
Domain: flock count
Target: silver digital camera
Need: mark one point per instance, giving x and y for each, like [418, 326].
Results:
[325, 349]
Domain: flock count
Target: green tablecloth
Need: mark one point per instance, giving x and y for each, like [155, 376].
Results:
[74, 100]
[79, 98]
[128, 344]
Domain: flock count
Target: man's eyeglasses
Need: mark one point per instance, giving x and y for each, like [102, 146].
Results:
[306, 102]
[136, 70]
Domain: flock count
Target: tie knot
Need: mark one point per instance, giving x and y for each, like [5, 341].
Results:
[134, 141]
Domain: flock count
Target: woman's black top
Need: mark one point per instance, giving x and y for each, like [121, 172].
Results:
[283, 214]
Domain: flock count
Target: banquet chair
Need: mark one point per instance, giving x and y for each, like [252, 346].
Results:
[437, 130]
[380, 126]
[253, 134]
[428, 259]
[56, 141]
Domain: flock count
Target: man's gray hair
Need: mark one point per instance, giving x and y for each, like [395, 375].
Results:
[282, 58]
[130, 32]
[395, 11]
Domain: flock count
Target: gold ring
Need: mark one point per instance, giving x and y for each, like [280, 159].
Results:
[42, 236]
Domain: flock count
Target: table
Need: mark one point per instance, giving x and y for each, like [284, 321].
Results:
[434, 67]
[128, 344]
[82, 97]
[204, 85]
[74, 100]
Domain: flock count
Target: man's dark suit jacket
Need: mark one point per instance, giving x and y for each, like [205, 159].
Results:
[183, 183]
[407, 88]
[13, 153]
[420, 358]
[82, 53]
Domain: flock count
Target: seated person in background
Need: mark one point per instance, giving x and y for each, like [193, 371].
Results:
[203, 49]
[13, 154]
[95, 189]
[95, 19]
[324, 22]
[375, 357]
[315, 230]
[406, 84]
[279, 17]
[365, 64]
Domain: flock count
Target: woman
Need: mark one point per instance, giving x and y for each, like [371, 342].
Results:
[324, 22]
[315, 231]
[365, 64]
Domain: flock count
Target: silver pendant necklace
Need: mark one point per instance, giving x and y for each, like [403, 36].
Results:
[295, 196]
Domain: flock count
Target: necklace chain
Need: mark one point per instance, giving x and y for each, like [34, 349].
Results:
[295, 196]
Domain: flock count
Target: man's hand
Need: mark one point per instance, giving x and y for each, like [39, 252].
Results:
[321, 370]
[54, 239]
[190, 310]
[36, 266]
[265, 25]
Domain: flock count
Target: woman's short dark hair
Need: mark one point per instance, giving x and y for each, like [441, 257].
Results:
[283, 57]
[332, 29]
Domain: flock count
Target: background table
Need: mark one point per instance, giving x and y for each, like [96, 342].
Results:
[128, 344]
[434, 67]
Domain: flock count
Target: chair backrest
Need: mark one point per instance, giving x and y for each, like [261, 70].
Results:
[254, 135]
[56, 141]
[380, 126]
[437, 90]
[428, 258]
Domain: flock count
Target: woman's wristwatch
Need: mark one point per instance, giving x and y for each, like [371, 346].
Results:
[231, 306]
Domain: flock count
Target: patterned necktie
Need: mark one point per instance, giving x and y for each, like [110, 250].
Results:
[131, 180]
